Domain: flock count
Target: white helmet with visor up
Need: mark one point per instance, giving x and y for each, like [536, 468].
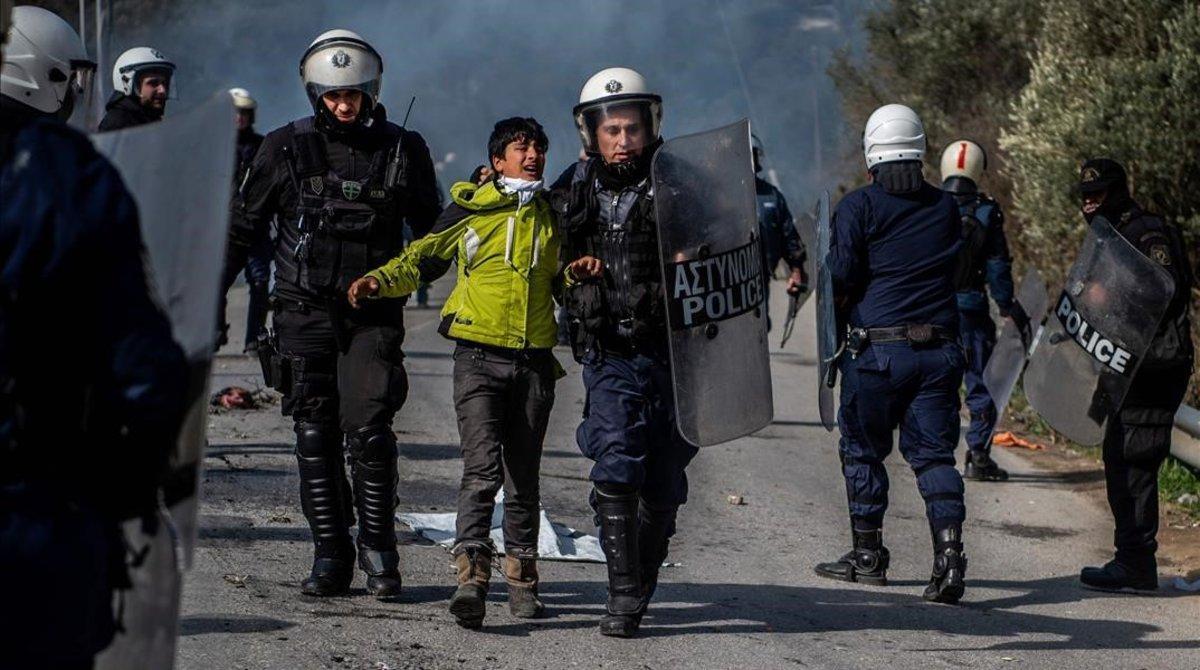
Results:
[341, 60]
[131, 65]
[616, 100]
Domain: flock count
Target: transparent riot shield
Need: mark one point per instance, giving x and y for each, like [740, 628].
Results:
[1012, 347]
[179, 172]
[712, 272]
[1097, 331]
[806, 228]
[828, 333]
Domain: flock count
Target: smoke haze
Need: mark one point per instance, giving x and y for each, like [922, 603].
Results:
[471, 63]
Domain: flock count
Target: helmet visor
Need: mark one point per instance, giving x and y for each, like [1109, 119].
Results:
[619, 130]
[83, 97]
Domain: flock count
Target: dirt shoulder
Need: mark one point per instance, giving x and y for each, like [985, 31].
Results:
[1082, 470]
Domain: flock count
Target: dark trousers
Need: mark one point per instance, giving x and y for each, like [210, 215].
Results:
[1137, 440]
[890, 386]
[258, 276]
[503, 400]
[60, 561]
[352, 381]
[977, 335]
[629, 428]
[363, 384]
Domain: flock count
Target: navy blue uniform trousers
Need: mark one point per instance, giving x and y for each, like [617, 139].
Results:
[977, 334]
[629, 429]
[890, 386]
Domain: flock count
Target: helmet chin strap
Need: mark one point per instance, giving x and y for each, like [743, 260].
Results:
[330, 123]
[633, 170]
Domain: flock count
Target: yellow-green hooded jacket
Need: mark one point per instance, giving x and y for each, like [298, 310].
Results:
[507, 257]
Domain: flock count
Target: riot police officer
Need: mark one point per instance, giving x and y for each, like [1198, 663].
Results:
[780, 241]
[984, 266]
[86, 423]
[142, 78]
[618, 331]
[258, 264]
[341, 183]
[893, 249]
[1137, 436]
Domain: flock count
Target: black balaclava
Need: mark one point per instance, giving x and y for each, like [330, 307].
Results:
[1106, 174]
[628, 173]
[899, 177]
[960, 186]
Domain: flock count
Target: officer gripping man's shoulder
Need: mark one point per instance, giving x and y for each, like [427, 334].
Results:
[86, 424]
[893, 249]
[340, 185]
[618, 330]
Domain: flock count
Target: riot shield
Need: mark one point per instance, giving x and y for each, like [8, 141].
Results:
[806, 228]
[1012, 350]
[179, 172]
[828, 333]
[704, 202]
[1098, 329]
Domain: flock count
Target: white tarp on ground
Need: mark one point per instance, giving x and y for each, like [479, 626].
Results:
[556, 542]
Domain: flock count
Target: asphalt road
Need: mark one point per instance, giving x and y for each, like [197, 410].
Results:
[744, 595]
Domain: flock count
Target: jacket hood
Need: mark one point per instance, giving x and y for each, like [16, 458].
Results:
[481, 198]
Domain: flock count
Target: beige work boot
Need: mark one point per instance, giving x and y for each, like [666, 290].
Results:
[474, 567]
[522, 576]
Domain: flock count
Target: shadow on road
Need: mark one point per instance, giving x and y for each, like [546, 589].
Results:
[682, 609]
[199, 625]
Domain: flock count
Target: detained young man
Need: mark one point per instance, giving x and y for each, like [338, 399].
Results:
[502, 236]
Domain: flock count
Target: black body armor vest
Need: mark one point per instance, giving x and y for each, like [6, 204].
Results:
[342, 228]
[626, 307]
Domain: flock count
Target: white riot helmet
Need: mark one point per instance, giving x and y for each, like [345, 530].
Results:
[616, 91]
[963, 160]
[341, 60]
[45, 63]
[242, 99]
[893, 133]
[135, 62]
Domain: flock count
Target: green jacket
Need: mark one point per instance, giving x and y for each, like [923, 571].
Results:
[507, 259]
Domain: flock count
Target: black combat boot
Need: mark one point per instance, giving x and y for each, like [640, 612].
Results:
[617, 511]
[1121, 577]
[373, 467]
[656, 525]
[981, 467]
[867, 562]
[325, 499]
[947, 583]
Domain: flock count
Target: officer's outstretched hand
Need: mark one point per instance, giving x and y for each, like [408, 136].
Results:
[361, 289]
[587, 267]
[797, 282]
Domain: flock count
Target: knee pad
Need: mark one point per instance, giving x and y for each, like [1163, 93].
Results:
[940, 481]
[373, 444]
[317, 439]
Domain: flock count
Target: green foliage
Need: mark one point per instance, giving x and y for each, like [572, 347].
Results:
[960, 63]
[1114, 78]
[1176, 480]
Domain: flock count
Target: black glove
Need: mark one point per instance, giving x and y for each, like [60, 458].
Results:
[1021, 319]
